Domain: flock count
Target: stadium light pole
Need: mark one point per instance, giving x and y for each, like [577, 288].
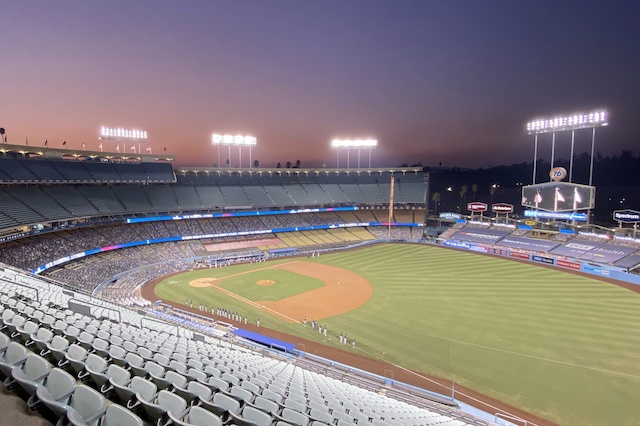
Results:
[123, 135]
[573, 122]
[358, 144]
[233, 140]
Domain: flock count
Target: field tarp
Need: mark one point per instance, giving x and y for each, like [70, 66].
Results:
[479, 235]
[593, 251]
[531, 244]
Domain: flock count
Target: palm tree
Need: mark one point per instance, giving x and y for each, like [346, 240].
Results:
[474, 188]
[288, 164]
[2, 138]
[492, 191]
[463, 194]
[436, 199]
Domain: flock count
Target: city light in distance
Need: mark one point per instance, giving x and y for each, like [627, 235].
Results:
[122, 134]
[354, 143]
[233, 140]
[570, 122]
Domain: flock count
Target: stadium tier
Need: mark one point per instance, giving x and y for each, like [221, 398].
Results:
[45, 192]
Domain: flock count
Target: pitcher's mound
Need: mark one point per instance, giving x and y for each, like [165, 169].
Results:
[265, 282]
[203, 282]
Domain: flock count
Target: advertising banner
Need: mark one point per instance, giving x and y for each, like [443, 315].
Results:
[542, 259]
[626, 216]
[567, 264]
[519, 255]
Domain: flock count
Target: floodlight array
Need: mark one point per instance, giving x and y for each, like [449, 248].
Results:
[122, 134]
[569, 122]
[233, 140]
[354, 143]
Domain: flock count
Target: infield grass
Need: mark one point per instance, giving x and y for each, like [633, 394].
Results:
[559, 345]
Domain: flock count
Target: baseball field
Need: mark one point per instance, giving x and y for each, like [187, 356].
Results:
[559, 345]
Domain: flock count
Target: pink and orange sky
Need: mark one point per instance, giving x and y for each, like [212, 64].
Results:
[433, 81]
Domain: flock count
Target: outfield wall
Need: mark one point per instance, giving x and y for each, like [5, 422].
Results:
[561, 262]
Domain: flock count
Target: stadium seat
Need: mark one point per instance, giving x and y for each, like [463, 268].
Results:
[56, 348]
[197, 416]
[41, 337]
[126, 391]
[192, 391]
[250, 416]
[32, 374]
[165, 401]
[13, 358]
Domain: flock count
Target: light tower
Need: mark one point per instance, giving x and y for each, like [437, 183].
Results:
[123, 135]
[358, 144]
[234, 140]
[570, 122]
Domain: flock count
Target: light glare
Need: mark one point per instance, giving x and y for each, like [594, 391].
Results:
[571, 122]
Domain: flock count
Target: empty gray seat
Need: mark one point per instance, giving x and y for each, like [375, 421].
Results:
[57, 348]
[126, 391]
[163, 402]
[250, 416]
[58, 386]
[13, 358]
[74, 358]
[89, 404]
[193, 390]
[117, 415]
[41, 337]
[197, 416]
[221, 404]
[267, 405]
[32, 374]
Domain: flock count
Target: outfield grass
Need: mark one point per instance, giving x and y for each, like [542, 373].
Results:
[559, 345]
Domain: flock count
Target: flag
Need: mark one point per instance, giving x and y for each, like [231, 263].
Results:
[538, 198]
[64, 143]
[118, 147]
[133, 148]
[559, 196]
[100, 147]
[149, 149]
[576, 195]
[46, 142]
[82, 145]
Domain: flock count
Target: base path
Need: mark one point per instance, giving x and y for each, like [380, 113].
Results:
[343, 291]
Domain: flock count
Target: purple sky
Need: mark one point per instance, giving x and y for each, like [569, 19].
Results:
[434, 81]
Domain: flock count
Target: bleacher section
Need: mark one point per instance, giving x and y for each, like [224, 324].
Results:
[598, 249]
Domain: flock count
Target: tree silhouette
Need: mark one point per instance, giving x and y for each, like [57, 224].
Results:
[256, 163]
[492, 191]
[474, 189]
[463, 194]
[278, 165]
[3, 139]
[436, 199]
[298, 162]
[288, 164]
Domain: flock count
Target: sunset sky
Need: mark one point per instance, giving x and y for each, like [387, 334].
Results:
[434, 81]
